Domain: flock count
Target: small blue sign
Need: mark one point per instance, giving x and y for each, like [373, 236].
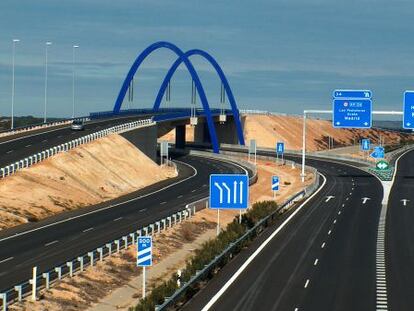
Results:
[360, 94]
[365, 144]
[275, 183]
[229, 191]
[280, 147]
[352, 113]
[144, 251]
[408, 109]
[378, 153]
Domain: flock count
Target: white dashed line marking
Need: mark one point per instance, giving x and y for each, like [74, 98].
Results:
[7, 259]
[43, 141]
[334, 221]
[307, 283]
[323, 245]
[339, 213]
[50, 243]
[10, 151]
[193, 190]
[142, 210]
[329, 232]
[119, 218]
[28, 146]
[162, 203]
[316, 262]
[89, 229]
[180, 196]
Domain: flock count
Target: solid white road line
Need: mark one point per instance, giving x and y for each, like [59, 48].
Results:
[259, 250]
[7, 259]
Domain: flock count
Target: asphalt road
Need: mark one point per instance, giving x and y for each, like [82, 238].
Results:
[323, 259]
[16, 148]
[50, 243]
[399, 237]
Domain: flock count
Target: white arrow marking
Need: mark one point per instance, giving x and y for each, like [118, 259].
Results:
[221, 192]
[241, 192]
[228, 192]
[235, 192]
[364, 200]
[405, 201]
[329, 197]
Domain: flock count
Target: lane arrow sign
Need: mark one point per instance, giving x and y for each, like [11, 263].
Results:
[329, 197]
[405, 201]
[364, 200]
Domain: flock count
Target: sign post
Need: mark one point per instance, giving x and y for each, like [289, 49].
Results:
[280, 149]
[275, 185]
[164, 150]
[252, 149]
[144, 257]
[228, 191]
[365, 146]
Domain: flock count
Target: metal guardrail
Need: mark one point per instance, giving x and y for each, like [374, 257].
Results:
[228, 252]
[42, 155]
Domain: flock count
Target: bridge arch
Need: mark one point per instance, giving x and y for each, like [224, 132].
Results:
[137, 63]
[222, 77]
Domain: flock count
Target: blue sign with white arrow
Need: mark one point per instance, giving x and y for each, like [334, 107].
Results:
[144, 251]
[280, 147]
[408, 109]
[352, 113]
[378, 153]
[361, 94]
[229, 191]
[275, 183]
[365, 144]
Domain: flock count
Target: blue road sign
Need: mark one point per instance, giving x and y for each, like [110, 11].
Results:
[352, 113]
[229, 191]
[144, 251]
[280, 147]
[361, 94]
[275, 183]
[408, 109]
[378, 153]
[365, 144]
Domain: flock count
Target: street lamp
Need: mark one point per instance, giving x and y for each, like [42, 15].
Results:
[44, 117]
[73, 79]
[12, 110]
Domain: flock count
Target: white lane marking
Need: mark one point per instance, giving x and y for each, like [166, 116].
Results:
[343, 205]
[194, 190]
[204, 185]
[350, 193]
[323, 245]
[89, 229]
[329, 197]
[347, 199]
[334, 221]
[50, 243]
[104, 208]
[316, 262]
[329, 232]
[339, 213]
[44, 140]
[60, 136]
[364, 200]
[222, 290]
[119, 218]
[405, 201]
[307, 283]
[142, 210]
[180, 196]
[10, 151]
[162, 203]
[7, 259]
[27, 146]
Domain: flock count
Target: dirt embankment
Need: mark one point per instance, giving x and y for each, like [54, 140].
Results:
[101, 170]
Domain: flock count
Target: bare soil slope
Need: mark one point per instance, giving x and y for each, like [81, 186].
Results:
[90, 174]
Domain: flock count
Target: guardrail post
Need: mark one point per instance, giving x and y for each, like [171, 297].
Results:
[164, 223]
[2, 172]
[158, 226]
[80, 259]
[179, 214]
[70, 265]
[109, 246]
[125, 238]
[146, 231]
[58, 270]
[169, 221]
[18, 289]
[152, 226]
[100, 251]
[139, 232]
[46, 276]
[4, 300]
[189, 212]
[175, 219]
[132, 235]
[117, 243]
[91, 259]
[194, 209]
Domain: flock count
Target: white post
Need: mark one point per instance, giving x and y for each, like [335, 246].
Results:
[218, 221]
[73, 79]
[240, 216]
[45, 112]
[303, 147]
[143, 282]
[12, 110]
[34, 283]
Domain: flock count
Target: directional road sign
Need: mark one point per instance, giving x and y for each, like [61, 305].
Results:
[144, 251]
[352, 113]
[280, 147]
[365, 144]
[382, 165]
[229, 191]
[275, 183]
[378, 153]
[408, 109]
[352, 94]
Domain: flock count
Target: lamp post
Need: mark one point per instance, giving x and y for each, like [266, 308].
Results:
[12, 110]
[73, 79]
[45, 111]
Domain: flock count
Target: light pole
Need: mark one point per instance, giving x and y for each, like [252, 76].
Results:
[73, 79]
[12, 110]
[45, 118]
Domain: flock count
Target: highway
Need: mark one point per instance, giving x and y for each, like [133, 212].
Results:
[324, 258]
[399, 237]
[56, 240]
[18, 147]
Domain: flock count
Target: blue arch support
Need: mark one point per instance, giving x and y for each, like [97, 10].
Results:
[223, 79]
[137, 63]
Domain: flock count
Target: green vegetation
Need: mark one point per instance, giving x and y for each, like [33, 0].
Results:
[208, 251]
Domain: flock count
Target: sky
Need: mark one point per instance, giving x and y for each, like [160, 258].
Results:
[278, 55]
